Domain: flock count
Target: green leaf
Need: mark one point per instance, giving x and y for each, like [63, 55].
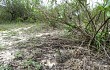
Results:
[108, 13]
[107, 3]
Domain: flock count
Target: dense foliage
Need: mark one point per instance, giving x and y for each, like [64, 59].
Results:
[19, 10]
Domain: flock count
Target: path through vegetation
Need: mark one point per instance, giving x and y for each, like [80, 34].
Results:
[28, 49]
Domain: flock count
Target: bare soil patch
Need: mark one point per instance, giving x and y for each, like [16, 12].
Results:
[50, 51]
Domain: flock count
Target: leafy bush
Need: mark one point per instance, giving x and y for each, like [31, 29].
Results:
[19, 10]
[93, 24]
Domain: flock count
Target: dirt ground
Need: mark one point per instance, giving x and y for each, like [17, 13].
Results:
[48, 50]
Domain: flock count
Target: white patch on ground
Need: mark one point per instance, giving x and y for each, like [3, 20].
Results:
[6, 56]
[10, 37]
[19, 35]
[7, 40]
[48, 63]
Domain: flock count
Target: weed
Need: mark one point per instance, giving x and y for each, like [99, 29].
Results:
[2, 47]
[19, 55]
[12, 33]
[30, 64]
[5, 67]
